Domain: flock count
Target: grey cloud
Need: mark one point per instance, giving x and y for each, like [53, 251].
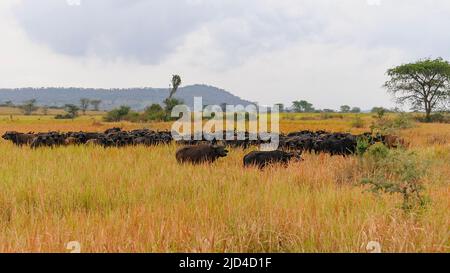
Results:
[148, 31]
[144, 30]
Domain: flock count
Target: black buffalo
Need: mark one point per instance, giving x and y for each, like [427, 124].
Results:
[263, 159]
[19, 138]
[200, 153]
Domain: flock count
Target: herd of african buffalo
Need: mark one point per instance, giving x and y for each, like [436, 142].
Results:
[114, 137]
[291, 145]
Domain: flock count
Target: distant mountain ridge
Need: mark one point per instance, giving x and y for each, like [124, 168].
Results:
[136, 98]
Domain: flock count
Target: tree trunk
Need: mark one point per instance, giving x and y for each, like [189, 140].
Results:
[428, 111]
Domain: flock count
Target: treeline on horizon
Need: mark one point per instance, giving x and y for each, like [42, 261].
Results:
[424, 85]
[156, 112]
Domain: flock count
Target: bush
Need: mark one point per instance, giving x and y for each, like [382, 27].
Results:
[66, 116]
[403, 121]
[362, 144]
[170, 104]
[377, 152]
[395, 172]
[385, 125]
[132, 117]
[71, 112]
[379, 111]
[118, 114]
[154, 112]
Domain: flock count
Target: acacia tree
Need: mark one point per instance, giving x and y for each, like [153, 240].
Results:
[29, 107]
[302, 106]
[84, 105]
[72, 110]
[345, 108]
[356, 110]
[95, 104]
[425, 84]
[45, 110]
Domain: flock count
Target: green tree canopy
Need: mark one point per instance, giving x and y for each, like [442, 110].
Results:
[356, 110]
[84, 104]
[425, 84]
[29, 107]
[95, 104]
[8, 103]
[171, 103]
[118, 114]
[72, 110]
[176, 82]
[345, 108]
[302, 106]
[155, 112]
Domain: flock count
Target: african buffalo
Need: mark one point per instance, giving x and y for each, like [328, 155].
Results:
[200, 153]
[262, 159]
[19, 138]
[112, 130]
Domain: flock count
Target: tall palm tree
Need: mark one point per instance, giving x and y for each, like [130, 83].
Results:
[176, 82]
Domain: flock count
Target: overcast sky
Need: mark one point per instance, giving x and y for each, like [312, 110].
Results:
[329, 52]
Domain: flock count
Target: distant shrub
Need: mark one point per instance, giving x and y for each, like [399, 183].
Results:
[118, 114]
[154, 112]
[356, 110]
[403, 121]
[395, 172]
[132, 117]
[386, 125]
[66, 116]
[379, 111]
[71, 112]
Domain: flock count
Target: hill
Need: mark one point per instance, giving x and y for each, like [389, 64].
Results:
[137, 98]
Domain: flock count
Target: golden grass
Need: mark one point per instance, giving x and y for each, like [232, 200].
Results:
[138, 199]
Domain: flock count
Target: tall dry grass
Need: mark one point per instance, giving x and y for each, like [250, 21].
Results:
[138, 199]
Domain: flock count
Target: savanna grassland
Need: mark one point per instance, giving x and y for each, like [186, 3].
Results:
[138, 199]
